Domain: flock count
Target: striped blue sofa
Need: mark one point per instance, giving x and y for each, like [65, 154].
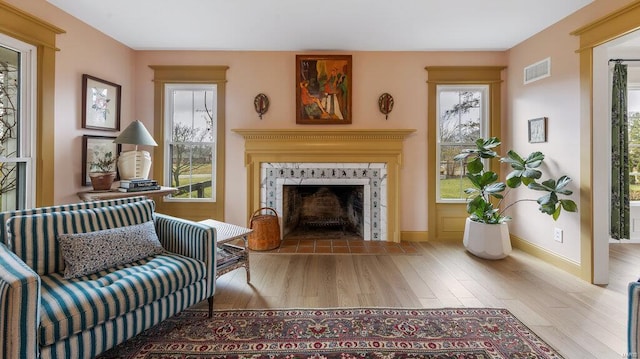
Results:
[44, 315]
[633, 327]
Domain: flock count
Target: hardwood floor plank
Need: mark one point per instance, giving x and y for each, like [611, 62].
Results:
[563, 342]
[596, 341]
[347, 285]
[577, 318]
[525, 313]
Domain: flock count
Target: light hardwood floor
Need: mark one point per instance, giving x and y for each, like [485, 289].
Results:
[577, 318]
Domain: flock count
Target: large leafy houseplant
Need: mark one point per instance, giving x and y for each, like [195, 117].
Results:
[487, 190]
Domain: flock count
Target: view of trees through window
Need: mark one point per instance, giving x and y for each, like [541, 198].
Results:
[192, 145]
[460, 123]
[9, 129]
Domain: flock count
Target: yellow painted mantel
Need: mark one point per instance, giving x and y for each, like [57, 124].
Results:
[327, 146]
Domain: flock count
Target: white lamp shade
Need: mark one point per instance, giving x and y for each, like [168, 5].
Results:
[134, 165]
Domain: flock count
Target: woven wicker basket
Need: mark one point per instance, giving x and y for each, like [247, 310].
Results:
[266, 231]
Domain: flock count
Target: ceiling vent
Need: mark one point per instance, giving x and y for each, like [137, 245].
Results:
[537, 71]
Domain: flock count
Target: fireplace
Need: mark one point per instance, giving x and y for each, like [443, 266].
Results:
[323, 212]
[370, 177]
[370, 158]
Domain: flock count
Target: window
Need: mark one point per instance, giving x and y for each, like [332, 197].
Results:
[463, 103]
[461, 120]
[633, 105]
[189, 126]
[17, 91]
[190, 131]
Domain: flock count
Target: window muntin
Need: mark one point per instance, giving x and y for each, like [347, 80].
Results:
[190, 133]
[17, 90]
[462, 118]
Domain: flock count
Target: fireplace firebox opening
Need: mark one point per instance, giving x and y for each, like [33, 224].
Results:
[323, 211]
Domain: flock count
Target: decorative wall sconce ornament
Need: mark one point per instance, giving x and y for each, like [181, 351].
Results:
[385, 104]
[261, 104]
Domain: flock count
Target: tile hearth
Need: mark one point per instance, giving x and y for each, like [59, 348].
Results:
[343, 246]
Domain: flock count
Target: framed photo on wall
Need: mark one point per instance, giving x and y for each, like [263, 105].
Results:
[323, 89]
[100, 104]
[93, 148]
[538, 130]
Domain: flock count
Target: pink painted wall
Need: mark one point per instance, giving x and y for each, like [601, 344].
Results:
[401, 74]
[83, 49]
[86, 50]
[558, 98]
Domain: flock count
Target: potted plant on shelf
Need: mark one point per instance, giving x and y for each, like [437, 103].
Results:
[102, 170]
[486, 233]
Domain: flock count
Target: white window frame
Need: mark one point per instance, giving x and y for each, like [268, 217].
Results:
[484, 128]
[168, 136]
[27, 120]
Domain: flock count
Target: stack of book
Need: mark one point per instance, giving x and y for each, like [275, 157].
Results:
[138, 185]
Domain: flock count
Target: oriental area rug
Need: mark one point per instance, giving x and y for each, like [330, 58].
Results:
[338, 333]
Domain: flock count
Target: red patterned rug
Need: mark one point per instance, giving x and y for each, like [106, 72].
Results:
[338, 333]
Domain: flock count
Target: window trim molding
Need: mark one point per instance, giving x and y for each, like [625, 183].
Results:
[41, 34]
[445, 221]
[168, 74]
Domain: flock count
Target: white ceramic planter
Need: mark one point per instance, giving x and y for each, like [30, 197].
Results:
[489, 241]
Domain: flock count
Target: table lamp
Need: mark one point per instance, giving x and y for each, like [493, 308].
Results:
[135, 164]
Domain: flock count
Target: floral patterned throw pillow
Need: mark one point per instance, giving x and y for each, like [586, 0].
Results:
[86, 253]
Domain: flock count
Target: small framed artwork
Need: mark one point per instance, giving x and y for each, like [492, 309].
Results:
[323, 89]
[538, 130]
[100, 104]
[94, 149]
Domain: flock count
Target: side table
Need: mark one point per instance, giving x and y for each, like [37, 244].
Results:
[87, 196]
[230, 256]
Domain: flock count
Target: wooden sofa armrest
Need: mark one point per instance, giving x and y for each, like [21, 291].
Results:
[19, 307]
[191, 239]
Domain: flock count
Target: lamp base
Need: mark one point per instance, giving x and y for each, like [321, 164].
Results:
[134, 165]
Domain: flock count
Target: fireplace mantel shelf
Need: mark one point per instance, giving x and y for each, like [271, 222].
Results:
[323, 143]
[327, 146]
[358, 134]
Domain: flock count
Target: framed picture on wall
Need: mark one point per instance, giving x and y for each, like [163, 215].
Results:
[95, 148]
[538, 130]
[323, 89]
[100, 104]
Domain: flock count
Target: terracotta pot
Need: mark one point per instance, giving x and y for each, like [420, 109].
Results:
[489, 241]
[102, 181]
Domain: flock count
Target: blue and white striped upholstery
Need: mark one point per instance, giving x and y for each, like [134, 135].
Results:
[19, 306]
[45, 316]
[65, 207]
[189, 239]
[90, 343]
[35, 237]
[72, 306]
[633, 327]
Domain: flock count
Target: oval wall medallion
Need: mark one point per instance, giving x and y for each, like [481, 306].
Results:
[385, 104]
[261, 104]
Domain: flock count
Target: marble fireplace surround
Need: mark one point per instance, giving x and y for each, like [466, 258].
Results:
[383, 146]
[371, 176]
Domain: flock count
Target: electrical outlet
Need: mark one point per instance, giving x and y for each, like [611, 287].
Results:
[557, 235]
